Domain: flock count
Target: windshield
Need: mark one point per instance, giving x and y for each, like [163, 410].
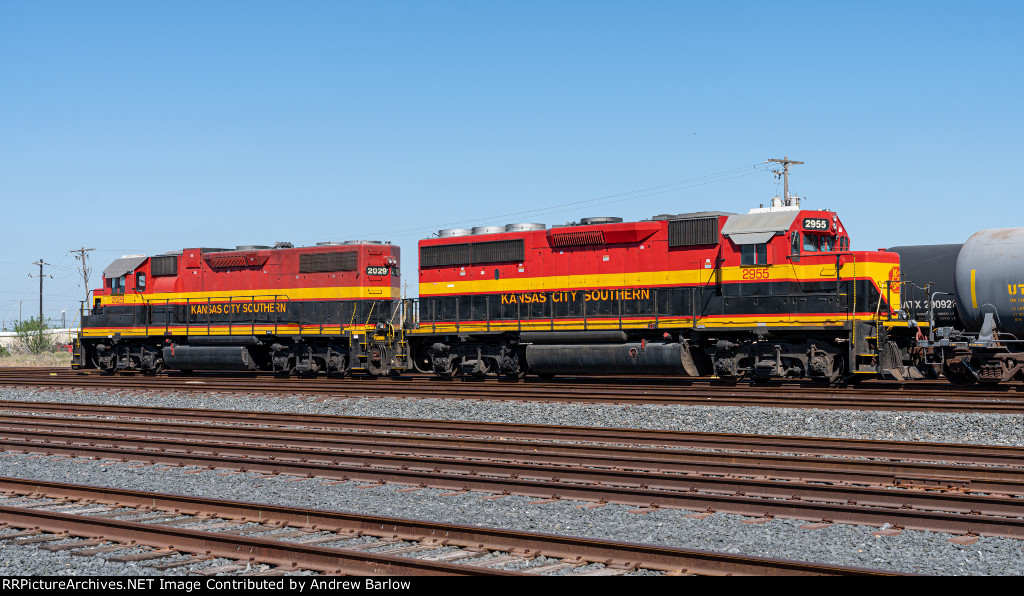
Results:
[819, 243]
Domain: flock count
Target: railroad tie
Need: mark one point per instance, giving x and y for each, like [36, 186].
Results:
[146, 556]
[182, 562]
[5, 537]
[605, 571]
[88, 552]
[499, 560]
[71, 545]
[216, 570]
[551, 567]
[457, 555]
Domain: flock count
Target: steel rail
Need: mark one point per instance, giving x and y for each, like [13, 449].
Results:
[757, 396]
[628, 555]
[874, 387]
[992, 455]
[983, 479]
[258, 550]
[902, 508]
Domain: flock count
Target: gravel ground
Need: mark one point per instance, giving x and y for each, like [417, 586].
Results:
[911, 551]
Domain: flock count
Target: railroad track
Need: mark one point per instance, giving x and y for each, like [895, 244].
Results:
[871, 396]
[168, 531]
[872, 487]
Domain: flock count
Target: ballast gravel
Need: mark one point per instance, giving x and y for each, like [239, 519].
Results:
[837, 544]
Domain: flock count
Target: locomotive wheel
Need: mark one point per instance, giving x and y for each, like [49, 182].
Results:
[518, 374]
[454, 372]
[836, 376]
[342, 371]
[152, 372]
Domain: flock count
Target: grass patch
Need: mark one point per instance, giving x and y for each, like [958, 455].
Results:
[44, 360]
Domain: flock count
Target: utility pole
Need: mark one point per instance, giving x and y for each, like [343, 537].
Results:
[41, 276]
[786, 162]
[84, 258]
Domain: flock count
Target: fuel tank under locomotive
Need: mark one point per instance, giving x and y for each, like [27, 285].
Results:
[637, 357]
[209, 358]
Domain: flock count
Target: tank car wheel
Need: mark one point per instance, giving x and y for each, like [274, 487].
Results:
[958, 379]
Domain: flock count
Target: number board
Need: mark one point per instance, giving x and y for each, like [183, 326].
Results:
[815, 223]
[376, 270]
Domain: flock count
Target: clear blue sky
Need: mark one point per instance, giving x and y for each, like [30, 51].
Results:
[143, 127]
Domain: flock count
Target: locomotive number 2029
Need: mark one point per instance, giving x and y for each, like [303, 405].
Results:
[376, 270]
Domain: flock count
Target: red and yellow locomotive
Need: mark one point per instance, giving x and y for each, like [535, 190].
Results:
[331, 308]
[771, 294]
[774, 293]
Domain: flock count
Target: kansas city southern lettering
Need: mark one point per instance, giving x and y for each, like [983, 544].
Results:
[244, 308]
[575, 296]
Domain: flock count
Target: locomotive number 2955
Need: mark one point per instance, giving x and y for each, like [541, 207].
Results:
[758, 273]
[815, 223]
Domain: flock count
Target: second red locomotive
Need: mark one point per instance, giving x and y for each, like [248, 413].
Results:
[331, 308]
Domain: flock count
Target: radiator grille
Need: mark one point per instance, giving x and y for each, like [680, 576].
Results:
[164, 265]
[584, 238]
[323, 262]
[693, 232]
[472, 253]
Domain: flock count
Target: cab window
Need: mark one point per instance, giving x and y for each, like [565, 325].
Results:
[828, 243]
[795, 243]
[810, 243]
[140, 282]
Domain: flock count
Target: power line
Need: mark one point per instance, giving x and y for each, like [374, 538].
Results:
[83, 256]
[40, 276]
[607, 199]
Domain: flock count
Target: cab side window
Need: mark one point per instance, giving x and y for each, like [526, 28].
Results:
[140, 282]
[795, 244]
